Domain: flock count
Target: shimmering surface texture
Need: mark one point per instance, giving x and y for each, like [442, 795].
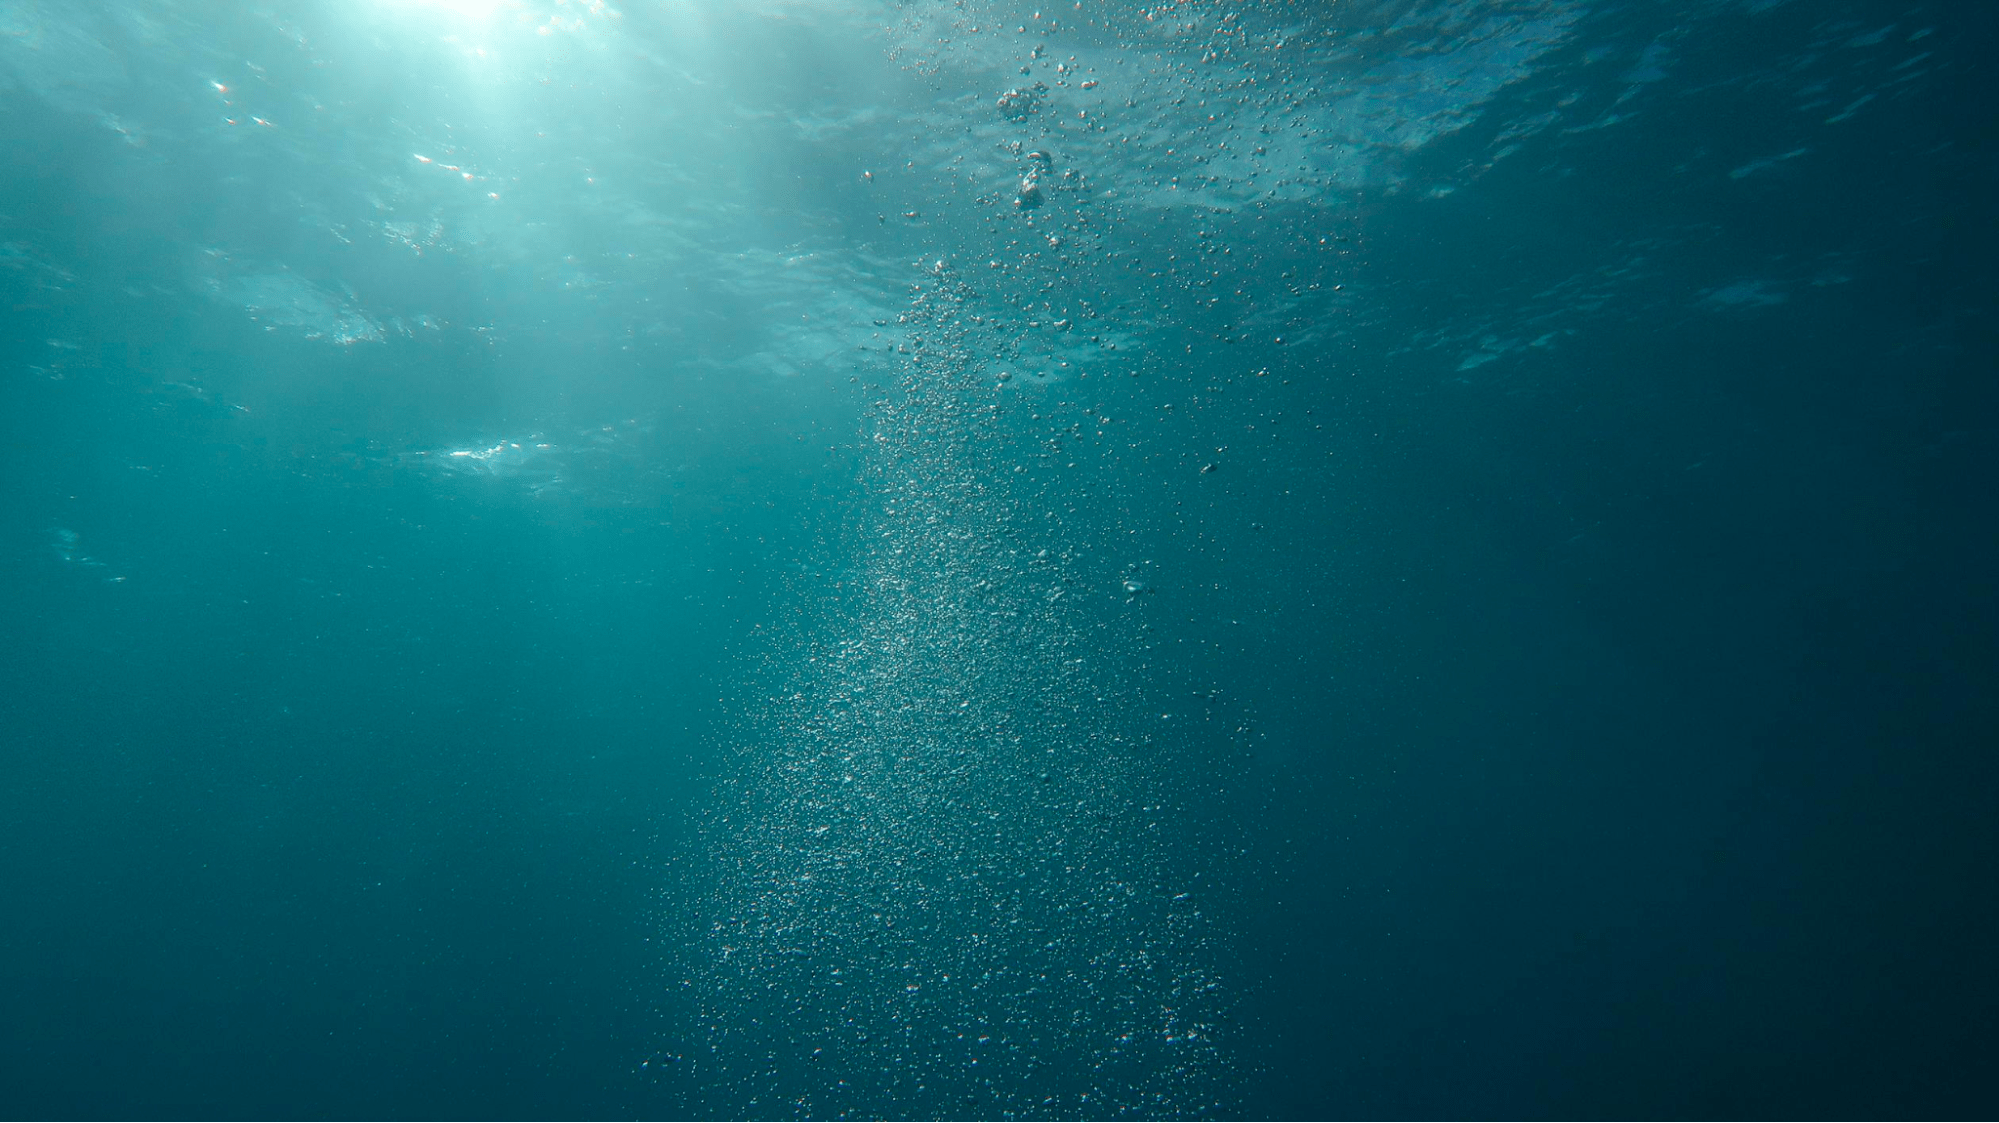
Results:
[837, 559]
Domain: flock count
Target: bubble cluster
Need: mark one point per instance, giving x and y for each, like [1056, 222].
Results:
[1018, 103]
[945, 877]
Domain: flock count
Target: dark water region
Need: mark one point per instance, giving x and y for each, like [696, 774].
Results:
[815, 558]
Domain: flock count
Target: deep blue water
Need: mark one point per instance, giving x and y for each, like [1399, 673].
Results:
[818, 558]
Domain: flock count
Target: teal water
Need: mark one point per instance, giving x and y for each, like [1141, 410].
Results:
[824, 558]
